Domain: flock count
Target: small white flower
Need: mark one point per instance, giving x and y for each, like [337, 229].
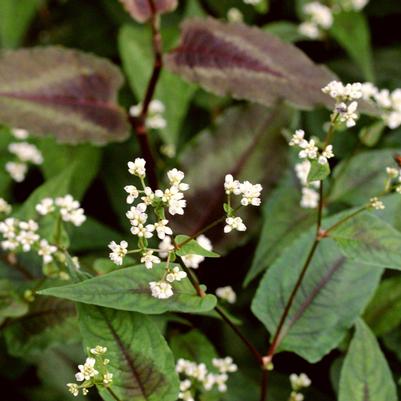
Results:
[85, 391]
[347, 114]
[8, 227]
[26, 152]
[149, 196]
[310, 30]
[298, 138]
[227, 293]
[46, 251]
[5, 207]
[87, 370]
[392, 172]
[156, 107]
[20, 133]
[107, 378]
[234, 15]
[70, 210]
[165, 247]
[137, 167]
[319, 14]
[326, 154]
[133, 193]
[27, 239]
[175, 275]
[156, 122]
[225, 365]
[234, 223]
[302, 171]
[149, 259]
[231, 186]
[143, 231]
[193, 261]
[299, 381]
[73, 389]
[175, 177]
[45, 206]
[368, 90]
[310, 198]
[118, 252]
[309, 150]
[162, 229]
[161, 289]
[376, 203]
[17, 170]
[137, 214]
[98, 350]
[398, 189]
[250, 194]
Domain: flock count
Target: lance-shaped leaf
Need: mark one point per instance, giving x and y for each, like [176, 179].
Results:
[368, 239]
[49, 322]
[247, 63]
[247, 143]
[141, 363]
[128, 289]
[365, 374]
[63, 92]
[327, 302]
[141, 10]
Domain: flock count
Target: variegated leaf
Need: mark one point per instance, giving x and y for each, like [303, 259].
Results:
[247, 63]
[64, 92]
[141, 10]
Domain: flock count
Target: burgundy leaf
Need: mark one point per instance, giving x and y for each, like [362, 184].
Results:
[247, 63]
[64, 92]
[141, 10]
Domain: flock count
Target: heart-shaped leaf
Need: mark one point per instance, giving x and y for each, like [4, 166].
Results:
[248, 63]
[142, 10]
[67, 93]
[141, 363]
[128, 289]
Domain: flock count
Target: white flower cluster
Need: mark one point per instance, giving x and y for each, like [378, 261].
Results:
[394, 175]
[250, 195]
[319, 17]
[69, 209]
[310, 197]
[198, 378]
[92, 373]
[309, 149]
[155, 119]
[376, 203]
[227, 294]
[5, 207]
[193, 261]
[346, 97]
[389, 103]
[24, 153]
[298, 382]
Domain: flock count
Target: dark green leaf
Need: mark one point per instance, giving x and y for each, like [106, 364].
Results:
[318, 171]
[11, 304]
[128, 289]
[325, 306]
[192, 248]
[142, 364]
[365, 374]
[371, 134]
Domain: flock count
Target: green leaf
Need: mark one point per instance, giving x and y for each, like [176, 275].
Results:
[351, 31]
[357, 179]
[383, 313]
[15, 18]
[287, 31]
[192, 248]
[49, 322]
[141, 363]
[370, 135]
[135, 45]
[368, 239]
[318, 171]
[11, 304]
[325, 306]
[128, 289]
[283, 221]
[67, 93]
[365, 374]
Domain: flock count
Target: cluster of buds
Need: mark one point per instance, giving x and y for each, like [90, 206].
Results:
[346, 97]
[319, 16]
[93, 372]
[20, 236]
[394, 179]
[250, 195]
[227, 294]
[197, 377]
[298, 383]
[309, 149]
[154, 119]
[23, 153]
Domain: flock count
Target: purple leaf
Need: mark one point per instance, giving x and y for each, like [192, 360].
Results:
[247, 63]
[64, 92]
[141, 10]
